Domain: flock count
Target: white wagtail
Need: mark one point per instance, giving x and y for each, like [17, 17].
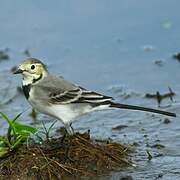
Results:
[62, 99]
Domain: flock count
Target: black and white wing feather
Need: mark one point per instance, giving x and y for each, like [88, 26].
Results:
[79, 95]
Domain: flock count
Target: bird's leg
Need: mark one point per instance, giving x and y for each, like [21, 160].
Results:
[72, 129]
[69, 131]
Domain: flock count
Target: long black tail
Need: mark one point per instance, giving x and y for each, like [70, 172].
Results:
[126, 106]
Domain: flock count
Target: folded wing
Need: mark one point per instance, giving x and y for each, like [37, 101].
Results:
[79, 95]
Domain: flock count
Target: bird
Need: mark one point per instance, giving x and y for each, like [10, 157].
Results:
[62, 99]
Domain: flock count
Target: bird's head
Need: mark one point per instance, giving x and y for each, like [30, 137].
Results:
[32, 71]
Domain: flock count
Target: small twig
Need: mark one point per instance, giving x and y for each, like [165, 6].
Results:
[72, 168]
[61, 166]
[48, 163]
[159, 97]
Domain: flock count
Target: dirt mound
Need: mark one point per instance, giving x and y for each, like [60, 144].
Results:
[72, 156]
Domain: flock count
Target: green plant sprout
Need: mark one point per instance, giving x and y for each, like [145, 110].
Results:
[17, 133]
[46, 131]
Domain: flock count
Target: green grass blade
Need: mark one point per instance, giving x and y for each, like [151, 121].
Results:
[16, 117]
[23, 129]
[10, 126]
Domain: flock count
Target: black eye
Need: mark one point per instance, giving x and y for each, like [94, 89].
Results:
[33, 66]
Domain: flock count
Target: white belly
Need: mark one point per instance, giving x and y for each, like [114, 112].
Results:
[64, 112]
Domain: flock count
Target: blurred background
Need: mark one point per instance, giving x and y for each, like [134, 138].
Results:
[125, 49]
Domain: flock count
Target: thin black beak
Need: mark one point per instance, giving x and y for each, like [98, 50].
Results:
[18, 71]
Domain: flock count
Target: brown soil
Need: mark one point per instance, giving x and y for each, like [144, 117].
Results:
[74, 157]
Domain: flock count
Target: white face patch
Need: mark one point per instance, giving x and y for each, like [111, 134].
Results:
[31, 78]
[27, 78]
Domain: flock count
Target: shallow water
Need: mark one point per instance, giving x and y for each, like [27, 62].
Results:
[110, 47]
